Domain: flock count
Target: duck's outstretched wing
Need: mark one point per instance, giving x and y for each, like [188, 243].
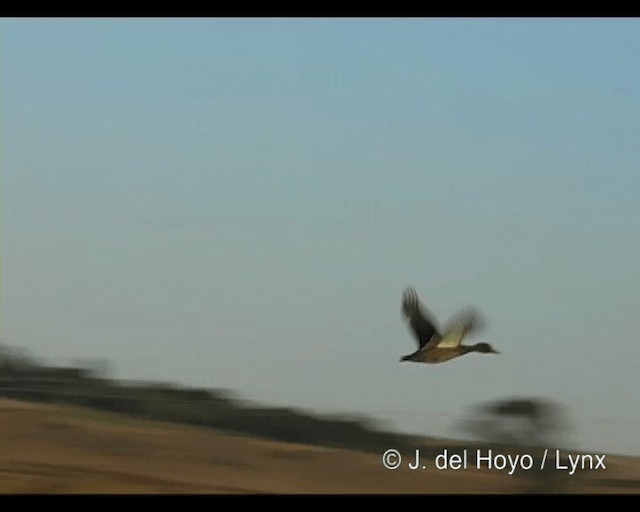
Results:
[468, 321]
[421, 322]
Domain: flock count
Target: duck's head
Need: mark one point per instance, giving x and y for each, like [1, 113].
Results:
[484, 348]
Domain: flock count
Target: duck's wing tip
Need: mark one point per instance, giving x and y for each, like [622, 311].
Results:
[422, 324]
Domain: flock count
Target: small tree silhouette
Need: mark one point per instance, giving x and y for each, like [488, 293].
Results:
[522, 422]
[517, 421]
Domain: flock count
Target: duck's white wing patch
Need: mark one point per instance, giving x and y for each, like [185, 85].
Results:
[465, 322]
[452, 337]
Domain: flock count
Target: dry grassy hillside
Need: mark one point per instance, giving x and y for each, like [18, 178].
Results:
[55, 449]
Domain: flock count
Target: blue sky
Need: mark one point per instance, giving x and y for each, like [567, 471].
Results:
[239, 203]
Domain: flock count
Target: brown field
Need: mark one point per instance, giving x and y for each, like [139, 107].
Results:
[56, 449]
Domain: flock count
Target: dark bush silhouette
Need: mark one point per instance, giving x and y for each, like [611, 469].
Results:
[528, 425]
[23, 377]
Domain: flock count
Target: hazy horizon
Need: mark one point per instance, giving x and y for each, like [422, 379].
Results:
[239, 204]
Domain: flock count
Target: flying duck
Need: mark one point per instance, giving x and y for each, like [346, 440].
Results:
[434, 347]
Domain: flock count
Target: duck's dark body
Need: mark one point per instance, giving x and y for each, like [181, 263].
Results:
[440, 355]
